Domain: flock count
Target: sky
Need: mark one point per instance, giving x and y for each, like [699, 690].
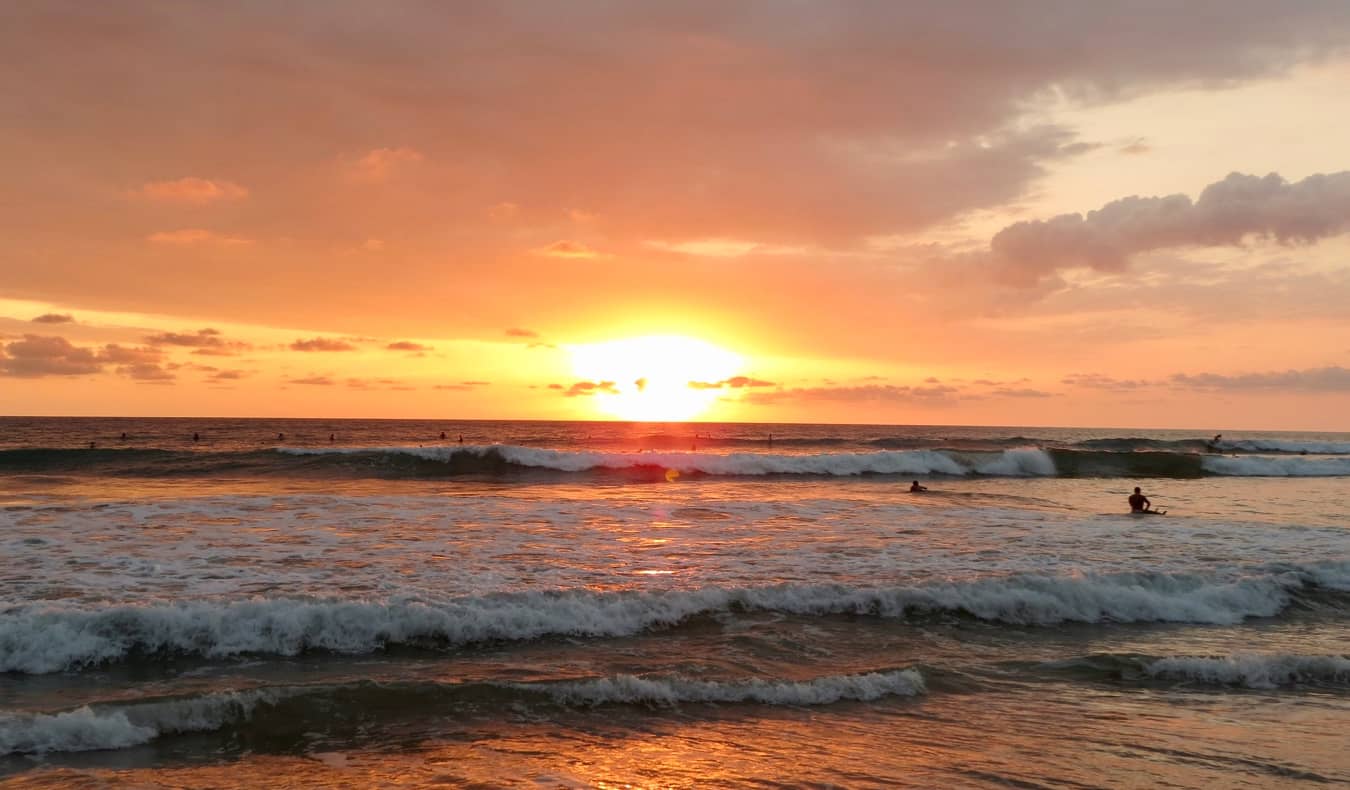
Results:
[1049, 212]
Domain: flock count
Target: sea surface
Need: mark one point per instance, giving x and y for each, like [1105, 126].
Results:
[299, 603]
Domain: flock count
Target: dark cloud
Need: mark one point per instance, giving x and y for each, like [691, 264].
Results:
[36, 355]
[322, 344]
[1227, 211]
[204, 342]
[1327, 379]
[735, 382]
[407, 345]
[514, 332]
[227, 375]
[54, 318]
[317, 381]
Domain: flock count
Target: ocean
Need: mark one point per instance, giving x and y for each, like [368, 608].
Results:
[373, 603]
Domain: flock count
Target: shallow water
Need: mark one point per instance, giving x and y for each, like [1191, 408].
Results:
[573, 616]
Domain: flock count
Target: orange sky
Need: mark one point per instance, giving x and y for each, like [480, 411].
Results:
[1026, 213]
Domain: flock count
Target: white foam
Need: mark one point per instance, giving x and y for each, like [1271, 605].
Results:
[674, 690]
[1284, 446]
[1280, 466]
[1255, 671]
[1017, 462]
[40, 640]
[117, 727]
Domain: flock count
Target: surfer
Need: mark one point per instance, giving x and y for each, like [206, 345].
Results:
[915, 488]
[1140, 504]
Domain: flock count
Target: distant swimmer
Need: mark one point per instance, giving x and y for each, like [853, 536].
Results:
[1213, 444]
[915, 488]
[1140, 503]
[92, 445]
[461, 438]
[196, 437]
[281, 437]
[332, 437]
[124, 436]
[442, 434]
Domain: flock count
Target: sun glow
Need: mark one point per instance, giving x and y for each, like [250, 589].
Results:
[659, 378]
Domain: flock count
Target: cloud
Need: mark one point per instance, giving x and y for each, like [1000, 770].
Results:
[316, 381]
[191, 190]
[1101, 382]
[1226, 212]
[1136, 147]
[569, 249]
[194, 236]
[54, 318]
[866, 393]
[725, 248]
[521, 333]
[322, 344]
[1020, 392]
[36, 356]
[735, 382]
[380, 164]
[407, 345]
[206, 342]
[1327, 379]
[227, 375]
[590, 388]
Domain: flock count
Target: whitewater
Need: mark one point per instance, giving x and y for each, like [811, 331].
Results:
[570, 604]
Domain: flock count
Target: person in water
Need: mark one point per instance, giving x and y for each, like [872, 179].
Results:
[1139, 503]
[915, 488]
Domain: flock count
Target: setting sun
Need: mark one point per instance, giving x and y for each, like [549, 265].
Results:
[659, 378]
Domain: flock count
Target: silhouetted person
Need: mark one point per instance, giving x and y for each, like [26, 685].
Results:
[442, 434]
[915, 488]
[124, 436]
[461, 438]
[1139, 503]
[92, 445]
[281, 437]
[332, 437]
[196, 437]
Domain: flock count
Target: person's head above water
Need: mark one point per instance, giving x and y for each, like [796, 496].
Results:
[1136, 489]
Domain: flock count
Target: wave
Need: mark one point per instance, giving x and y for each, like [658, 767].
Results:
[669, 691]
[1244, 670]
[1254, 671]
[121, 725]
[517, 461]
[91, 728]
[1258, 466]
[43, 639]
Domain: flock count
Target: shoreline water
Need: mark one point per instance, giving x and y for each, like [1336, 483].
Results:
[560, 609]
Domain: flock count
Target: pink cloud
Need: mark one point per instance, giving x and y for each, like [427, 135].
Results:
[192, 190]
[194, 236]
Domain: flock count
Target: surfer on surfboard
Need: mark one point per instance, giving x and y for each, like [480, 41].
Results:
[1140, 504]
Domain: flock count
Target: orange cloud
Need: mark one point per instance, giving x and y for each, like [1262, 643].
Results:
[380, 164]
[191, 190]
[322, 344]
[191, 236]
[569, 249]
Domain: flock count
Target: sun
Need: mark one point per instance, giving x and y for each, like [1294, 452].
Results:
[658, 378]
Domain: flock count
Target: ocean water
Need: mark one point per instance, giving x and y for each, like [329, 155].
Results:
[290, 603]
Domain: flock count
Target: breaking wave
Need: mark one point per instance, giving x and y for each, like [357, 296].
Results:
[43, 639]
[124, 724]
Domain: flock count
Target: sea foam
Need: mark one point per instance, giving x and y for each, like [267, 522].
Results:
[41, 639]
[1254, 671]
